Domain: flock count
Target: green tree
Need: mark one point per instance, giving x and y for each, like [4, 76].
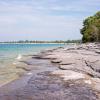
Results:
[91, 28]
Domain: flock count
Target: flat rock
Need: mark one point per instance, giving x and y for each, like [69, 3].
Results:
[96, 84]
[66, 67]
[68, 61]
[69, 74]
[97, 51]
[96, 66]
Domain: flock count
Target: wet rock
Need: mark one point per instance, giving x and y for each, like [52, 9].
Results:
[46, 87]
[26, 68]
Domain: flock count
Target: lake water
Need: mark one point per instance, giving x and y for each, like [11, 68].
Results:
[11, 54]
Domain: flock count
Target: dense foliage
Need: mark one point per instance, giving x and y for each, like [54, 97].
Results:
[91, 29]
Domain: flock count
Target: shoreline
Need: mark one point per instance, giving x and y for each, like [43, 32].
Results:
[17, 71]
[74, 64]
[80, 62]
[35, 43]
[21, 65]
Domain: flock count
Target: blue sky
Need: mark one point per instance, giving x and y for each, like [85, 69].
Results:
[44, 19]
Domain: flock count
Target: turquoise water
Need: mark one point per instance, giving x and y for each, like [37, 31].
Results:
[11, 52]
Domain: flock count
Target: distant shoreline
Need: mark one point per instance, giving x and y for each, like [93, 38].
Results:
[37, 43]
[33, 43]
[40, 42]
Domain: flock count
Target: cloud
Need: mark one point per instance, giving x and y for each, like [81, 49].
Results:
[48, 5]
[40, 19]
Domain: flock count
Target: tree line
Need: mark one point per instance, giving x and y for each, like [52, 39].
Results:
[35, 41]
[91, 29]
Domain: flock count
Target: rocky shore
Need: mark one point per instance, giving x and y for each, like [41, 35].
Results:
[64, 73]
[80, 63]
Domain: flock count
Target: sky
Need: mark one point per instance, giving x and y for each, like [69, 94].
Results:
[44, 19]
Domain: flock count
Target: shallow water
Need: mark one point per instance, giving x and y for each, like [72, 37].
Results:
[11, 54]
[12, 51]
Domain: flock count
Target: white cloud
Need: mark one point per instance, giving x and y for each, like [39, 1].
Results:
[44, 18]
[45, 27]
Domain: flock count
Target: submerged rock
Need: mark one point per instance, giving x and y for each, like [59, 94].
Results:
[46, 87]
